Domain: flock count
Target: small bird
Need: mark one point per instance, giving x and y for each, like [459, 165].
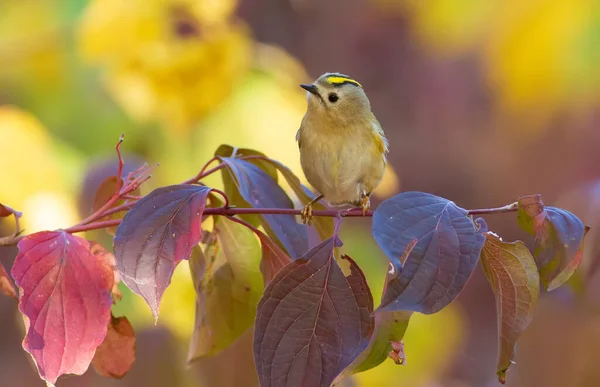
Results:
[342, 145]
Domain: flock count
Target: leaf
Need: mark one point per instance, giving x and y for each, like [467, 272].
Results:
[323, 224]
[65, 301]
[229, 183]
[312, 321]
[263, 162]
[197, 263]
[512, 273]
[155, 235]
[558, 239]
[5, 211]
[104, 193]
[115, 356]
[273, 257]
[100, 252]
[229, 290]
[389, 332]
[261, 191]
[389, 327]
[6, 286]
[443, 258]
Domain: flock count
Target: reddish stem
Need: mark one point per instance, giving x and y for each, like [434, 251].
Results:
[200, 174]
[225, 198]
[121, 164]
[203, 172]
[122, 207]
[244, 223]
[230, 212]
[92, 226]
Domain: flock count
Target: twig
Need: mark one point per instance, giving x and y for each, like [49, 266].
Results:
[498, 210]
[203, 172]
[121, 164]
[92, 226]
[122, 207]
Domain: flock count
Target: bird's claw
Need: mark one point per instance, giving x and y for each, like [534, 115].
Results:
[365, 205]
[306, 214]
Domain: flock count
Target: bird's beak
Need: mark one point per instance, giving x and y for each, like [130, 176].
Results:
[310, 88]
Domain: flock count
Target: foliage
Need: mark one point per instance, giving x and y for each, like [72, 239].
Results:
[312, 309]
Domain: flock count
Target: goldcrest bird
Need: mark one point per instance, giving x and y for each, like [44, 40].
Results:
[342, 145]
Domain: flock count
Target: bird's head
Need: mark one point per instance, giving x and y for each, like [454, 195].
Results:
[337, 96]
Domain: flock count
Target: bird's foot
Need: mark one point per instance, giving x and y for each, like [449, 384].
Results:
[306, 214]
[365, 204]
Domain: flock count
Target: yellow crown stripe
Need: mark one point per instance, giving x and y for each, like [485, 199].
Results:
[335, 80]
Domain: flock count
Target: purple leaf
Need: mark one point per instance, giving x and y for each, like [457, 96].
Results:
[443, 258]
[312, 321]
[65, 299]
[156, 234]
[261, 191]
[558, 239]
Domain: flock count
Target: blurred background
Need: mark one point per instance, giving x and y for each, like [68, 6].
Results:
[482, 101]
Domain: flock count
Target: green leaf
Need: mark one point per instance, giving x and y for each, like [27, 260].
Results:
[389, 328]
[229, 291]
[513, 276]
[558, 239]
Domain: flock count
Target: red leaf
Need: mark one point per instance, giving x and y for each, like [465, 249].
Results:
[273, 257]
[115, 356]
[65, 300]
[312, 321]
[156, 234]
[6, 287]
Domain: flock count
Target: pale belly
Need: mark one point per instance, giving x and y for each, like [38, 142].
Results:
[344, 175]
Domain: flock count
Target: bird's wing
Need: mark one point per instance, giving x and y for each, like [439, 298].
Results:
[298, 138]
[380, 139]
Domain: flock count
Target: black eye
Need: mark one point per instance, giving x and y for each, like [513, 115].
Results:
[333, 97]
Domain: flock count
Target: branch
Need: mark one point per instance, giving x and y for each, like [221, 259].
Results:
[232, 211]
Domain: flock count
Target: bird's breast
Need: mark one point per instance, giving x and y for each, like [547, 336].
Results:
[341, 164]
